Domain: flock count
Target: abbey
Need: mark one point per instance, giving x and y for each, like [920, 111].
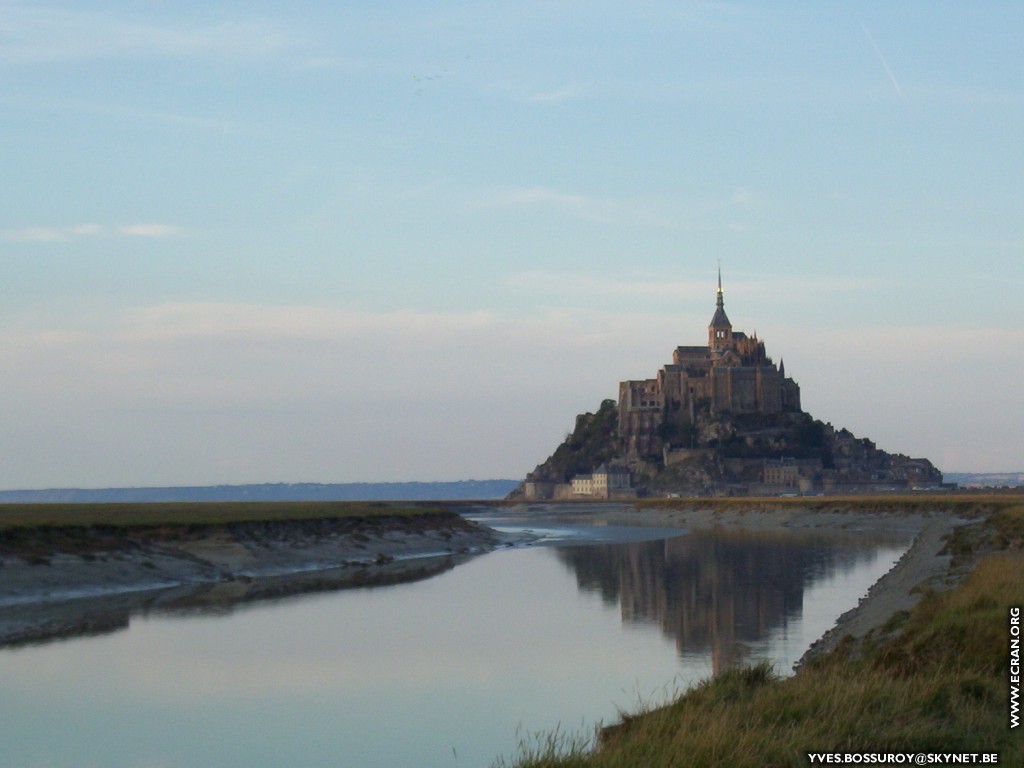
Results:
[719, 420]
[732, 375]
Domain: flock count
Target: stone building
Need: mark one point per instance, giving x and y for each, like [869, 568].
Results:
[784, 472]
[790, 475]
[731, 375]
[605, 482]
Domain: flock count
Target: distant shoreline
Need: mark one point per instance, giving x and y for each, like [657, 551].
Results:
[457, 490]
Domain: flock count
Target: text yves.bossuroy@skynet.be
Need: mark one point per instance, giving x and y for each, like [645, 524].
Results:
[903, 758]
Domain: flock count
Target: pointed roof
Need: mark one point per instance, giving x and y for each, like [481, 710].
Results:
[720, 320]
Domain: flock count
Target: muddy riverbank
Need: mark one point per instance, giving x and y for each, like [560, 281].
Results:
[60, 581]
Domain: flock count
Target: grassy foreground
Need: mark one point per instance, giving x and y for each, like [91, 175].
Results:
[936, 681]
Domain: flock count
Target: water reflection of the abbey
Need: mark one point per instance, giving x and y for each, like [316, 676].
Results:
[715, 590]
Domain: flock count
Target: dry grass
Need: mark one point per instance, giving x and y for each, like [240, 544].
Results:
[15, 516]
[1009, 524]
[36, 532]
[961, 504]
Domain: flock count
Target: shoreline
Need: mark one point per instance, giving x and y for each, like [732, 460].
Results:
[63, 584]
[926, 566]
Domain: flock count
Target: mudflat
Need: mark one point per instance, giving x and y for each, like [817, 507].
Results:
[61, 580]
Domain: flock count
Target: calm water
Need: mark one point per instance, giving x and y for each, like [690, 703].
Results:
[447, 671]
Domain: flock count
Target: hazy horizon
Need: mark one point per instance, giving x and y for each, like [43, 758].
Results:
[344, 243]
[950, 476]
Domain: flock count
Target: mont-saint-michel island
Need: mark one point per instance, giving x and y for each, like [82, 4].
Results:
[722, 419]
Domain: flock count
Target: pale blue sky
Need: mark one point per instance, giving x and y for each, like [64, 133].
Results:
[246, 242]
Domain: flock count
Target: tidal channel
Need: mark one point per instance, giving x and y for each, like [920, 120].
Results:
[450, 670]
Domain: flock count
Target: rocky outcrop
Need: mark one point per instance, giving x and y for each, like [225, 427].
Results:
[750, 454]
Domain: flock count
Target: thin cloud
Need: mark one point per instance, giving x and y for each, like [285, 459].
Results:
[86, 229]
[82, 231]
[34, 235]
[217, 320]
[149, 230]
[571, 283]
[41, 35]
[699, 288]
[881, 58]
[123, 113]
[237, 325]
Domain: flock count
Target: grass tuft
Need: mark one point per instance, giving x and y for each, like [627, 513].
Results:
[1009, 523]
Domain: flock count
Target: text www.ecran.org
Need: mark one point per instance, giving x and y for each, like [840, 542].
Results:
[1014, 667]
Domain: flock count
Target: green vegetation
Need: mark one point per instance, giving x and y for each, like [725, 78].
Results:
[593, 441]
[36, 532]
[796, 435]
[938, 685]
[13, 516]
[679, 435]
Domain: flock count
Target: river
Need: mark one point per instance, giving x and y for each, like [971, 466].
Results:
[450, 670]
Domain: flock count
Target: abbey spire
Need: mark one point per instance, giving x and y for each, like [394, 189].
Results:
[720, 330]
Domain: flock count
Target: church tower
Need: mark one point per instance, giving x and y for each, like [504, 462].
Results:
[720, 330]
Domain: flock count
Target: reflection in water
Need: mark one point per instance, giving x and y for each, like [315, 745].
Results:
[35, 623]
[721, 590]
[436, 671]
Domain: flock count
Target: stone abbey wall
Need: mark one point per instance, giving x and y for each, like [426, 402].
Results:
[731, 375]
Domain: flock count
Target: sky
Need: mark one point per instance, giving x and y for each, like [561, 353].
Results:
[353, 242]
